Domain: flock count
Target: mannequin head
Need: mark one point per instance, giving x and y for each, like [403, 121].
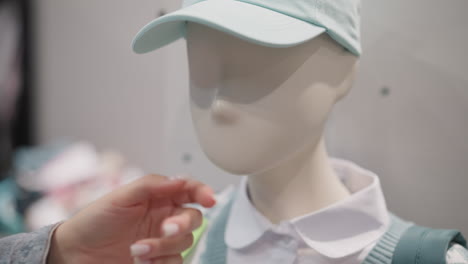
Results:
[254, 107]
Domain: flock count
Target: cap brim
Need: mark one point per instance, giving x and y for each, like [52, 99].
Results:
[246, 21]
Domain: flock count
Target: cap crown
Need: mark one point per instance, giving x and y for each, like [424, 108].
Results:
[340, 18]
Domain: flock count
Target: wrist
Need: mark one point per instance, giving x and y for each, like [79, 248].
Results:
[60, 251]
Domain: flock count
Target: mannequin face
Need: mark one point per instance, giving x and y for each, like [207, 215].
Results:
[254, 107]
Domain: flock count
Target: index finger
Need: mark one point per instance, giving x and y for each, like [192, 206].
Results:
[145, 188]
[180, 191]
[196, 192]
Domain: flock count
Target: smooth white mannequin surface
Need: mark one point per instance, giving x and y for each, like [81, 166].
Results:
[261, 111]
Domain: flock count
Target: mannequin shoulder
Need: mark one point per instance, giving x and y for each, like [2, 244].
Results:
[457, 254]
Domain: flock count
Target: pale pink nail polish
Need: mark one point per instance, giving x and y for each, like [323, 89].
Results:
[137, 250]
[170, 229]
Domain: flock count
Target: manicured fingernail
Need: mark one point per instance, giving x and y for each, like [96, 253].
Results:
[139, 249]
[139, 261]
[170, 229]
[213, 199]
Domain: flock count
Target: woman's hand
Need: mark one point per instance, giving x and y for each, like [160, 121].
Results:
[144, 221]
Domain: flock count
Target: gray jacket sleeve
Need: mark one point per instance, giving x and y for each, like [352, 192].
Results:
[27, 248]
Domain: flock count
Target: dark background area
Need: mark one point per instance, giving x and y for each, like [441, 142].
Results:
[19, 131]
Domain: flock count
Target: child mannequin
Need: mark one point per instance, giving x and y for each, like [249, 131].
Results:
[264, 116]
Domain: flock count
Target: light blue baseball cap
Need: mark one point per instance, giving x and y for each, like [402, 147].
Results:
[271, 23]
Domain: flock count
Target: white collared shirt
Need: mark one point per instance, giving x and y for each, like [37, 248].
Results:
[338, 233]
[344, 232]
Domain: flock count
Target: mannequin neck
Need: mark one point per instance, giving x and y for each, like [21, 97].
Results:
[300, 185]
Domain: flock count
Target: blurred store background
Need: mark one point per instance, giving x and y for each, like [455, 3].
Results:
[92, 115]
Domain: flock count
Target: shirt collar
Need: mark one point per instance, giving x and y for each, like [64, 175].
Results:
[339, 230]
